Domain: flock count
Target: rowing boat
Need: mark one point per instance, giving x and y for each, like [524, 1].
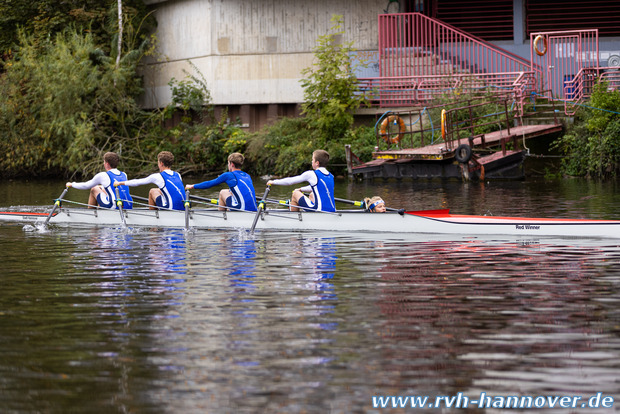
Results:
[410, 222]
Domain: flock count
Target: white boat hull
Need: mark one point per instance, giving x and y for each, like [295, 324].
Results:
[416, 222]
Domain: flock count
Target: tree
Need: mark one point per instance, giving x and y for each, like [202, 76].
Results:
[331, 91]
[43, 19]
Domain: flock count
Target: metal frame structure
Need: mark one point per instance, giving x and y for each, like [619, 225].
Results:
[421, 58]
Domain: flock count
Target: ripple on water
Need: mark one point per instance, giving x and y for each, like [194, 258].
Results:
[207, 320]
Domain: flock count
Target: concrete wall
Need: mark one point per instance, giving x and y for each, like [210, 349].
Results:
[249, 52]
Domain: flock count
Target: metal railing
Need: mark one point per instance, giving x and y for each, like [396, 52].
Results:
[410, 90]
[577, 90]
[563, 54]
[464, 119]
[421, 57]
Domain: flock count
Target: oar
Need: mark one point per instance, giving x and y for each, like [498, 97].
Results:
[140, 198]
[119, 204]
[361, 204]
[186, 204]
[207, 200]
[288, 204]
[56, 205]
[261, 205]
[355, 203]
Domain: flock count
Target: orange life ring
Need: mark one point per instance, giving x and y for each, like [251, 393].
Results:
[537, 39]
[392, 138]
[443, 124]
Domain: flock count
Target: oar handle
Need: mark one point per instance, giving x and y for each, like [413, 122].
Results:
[56, 205]
[261, 205]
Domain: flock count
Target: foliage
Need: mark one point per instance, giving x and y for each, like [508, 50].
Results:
[331, 98]
[282, 148]
[592, 145]
[64, 102]
[285, 147]
[46, 106]
[192, 96]
[200, 142]
[331, 92]
[43, 19]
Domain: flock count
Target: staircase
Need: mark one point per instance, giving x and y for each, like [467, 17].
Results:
[542, 111]
[421, 58]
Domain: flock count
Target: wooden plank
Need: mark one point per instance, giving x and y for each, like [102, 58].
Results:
[442, 151]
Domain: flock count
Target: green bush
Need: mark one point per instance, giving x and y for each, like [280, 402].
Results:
[64, 103]
[592, 145]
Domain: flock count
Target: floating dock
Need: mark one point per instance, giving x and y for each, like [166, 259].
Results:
[486, 158]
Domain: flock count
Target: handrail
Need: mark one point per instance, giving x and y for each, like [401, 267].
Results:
[421, 57]
[451, 131]
[415, 32]
[419, 137]
[391, 91]
[488, 44]
[578, 89]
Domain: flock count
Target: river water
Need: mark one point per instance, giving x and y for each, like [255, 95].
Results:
[113, 320]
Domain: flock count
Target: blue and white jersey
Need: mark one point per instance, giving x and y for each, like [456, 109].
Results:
[241, 187]
[173, 191]
[243, 192]
[323, 191]
[321, 185]
[123, 190]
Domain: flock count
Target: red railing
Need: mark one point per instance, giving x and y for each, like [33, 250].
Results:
[577, 90]
[408, 90]
[421, 57]
[562, 55]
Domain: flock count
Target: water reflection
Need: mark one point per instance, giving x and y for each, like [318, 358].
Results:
[473, 316]
[155, 320]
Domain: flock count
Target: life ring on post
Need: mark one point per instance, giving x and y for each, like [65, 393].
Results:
[463, 153]
[537, 49]
[443, 124]
[392, 138]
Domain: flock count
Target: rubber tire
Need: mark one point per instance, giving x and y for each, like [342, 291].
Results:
[463, 153]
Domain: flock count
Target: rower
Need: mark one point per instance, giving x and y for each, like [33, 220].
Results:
[101, 191]
[375, 204]
[321, 186]
[169, 194]
[240, 195]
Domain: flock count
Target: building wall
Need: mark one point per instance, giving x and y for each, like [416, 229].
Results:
[252, 52]
[249, 52]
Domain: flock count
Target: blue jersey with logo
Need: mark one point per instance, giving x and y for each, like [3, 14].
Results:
[324, 192]
[243, 191]
[123, 190]
[173, 191]
[240, 183]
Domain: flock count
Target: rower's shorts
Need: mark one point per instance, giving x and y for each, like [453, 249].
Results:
[232, 202]
[104, 201]
[161, 201]
[305, 202]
